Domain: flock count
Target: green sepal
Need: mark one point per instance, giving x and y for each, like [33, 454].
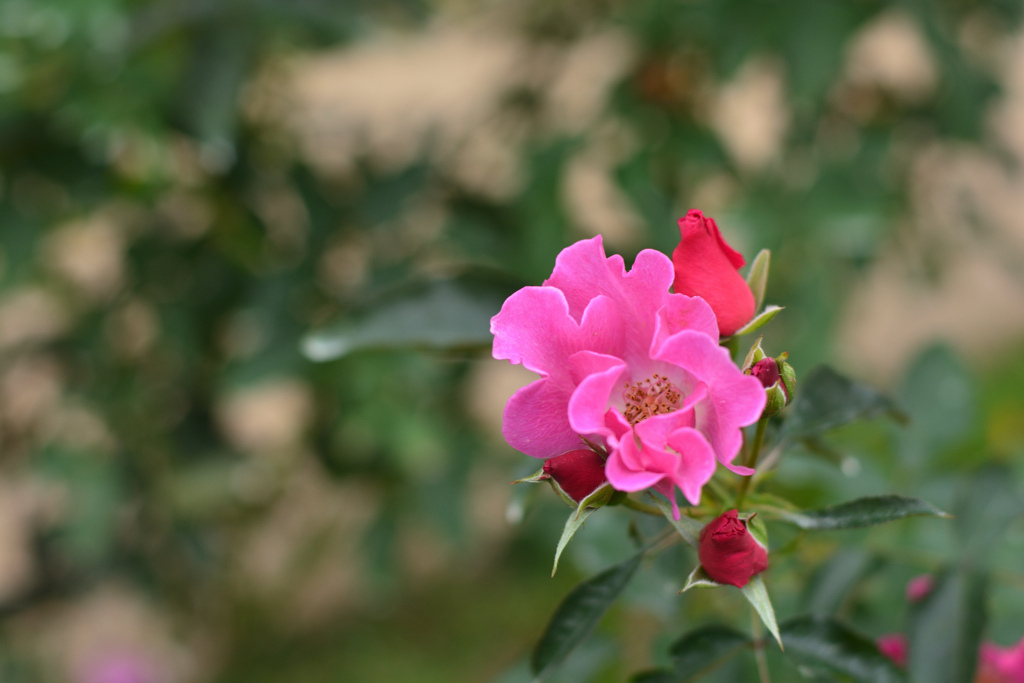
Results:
[754, 355]
[599, 498]
[788, 375]
[776, 399]
[617, 498]
[699, 578]
[758, 530]
[538, 476]
[759, 321]
[757, 278]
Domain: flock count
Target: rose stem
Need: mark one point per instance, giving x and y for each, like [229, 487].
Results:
[755, 451]
[641, 507]
[759, 655]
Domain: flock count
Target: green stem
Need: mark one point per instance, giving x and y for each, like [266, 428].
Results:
[641, 507]
[755, 451]
[759, 655]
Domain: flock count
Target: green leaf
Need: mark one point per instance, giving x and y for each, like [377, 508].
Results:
[822, 642]
[697, 653]
[946, 628]
[705, 648]
[575, 521]
[757, 595]
[860, 513]
[757, 278]
[827, 400]
[699, 578]
[578, 614]
[833, 582]
[986, 503]
[442, 317]
[687, 527]
[759, 321]
[938, 395]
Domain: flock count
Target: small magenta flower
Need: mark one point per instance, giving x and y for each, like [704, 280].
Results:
[919, 587]
[894, 646]
[706, 266]
[627, 365]
[728, 551]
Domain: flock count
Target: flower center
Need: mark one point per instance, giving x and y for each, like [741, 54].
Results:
[655, 395]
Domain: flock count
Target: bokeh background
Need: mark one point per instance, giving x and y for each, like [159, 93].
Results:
[249, 426]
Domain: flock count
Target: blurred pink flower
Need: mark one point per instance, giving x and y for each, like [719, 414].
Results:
[1001, 665]
[919, 587]
[894, 646]
[625, 363]
[119, 667]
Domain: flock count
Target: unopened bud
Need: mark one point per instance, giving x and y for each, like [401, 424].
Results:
[766, 370]
[729, 553]
[577, 475]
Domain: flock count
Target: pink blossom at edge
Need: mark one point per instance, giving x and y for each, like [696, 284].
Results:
[1001, 665]
[123, 667]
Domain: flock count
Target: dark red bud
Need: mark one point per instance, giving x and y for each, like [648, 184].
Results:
[728, 553]
[579, 473]
[766, 370]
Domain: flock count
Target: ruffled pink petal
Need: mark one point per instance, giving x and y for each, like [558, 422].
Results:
[683, 312]
[534, 328]
[625, 473]
[734, 400]
[666, 488]
[595, 376]
[696, 464]
[535, 420]
[582, 271]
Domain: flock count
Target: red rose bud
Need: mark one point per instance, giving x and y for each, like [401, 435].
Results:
[577, 473]
[706, 266]
[767, 370]
[728, 552]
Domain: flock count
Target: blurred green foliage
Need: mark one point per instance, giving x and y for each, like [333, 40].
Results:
[166, 249]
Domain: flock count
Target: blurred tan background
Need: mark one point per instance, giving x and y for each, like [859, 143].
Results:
[188, 189]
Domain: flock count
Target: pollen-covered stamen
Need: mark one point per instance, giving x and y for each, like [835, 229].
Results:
[655, 395]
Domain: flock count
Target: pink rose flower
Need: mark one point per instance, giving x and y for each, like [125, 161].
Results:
[706, 266]
[1001, 665]
[628, 365]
